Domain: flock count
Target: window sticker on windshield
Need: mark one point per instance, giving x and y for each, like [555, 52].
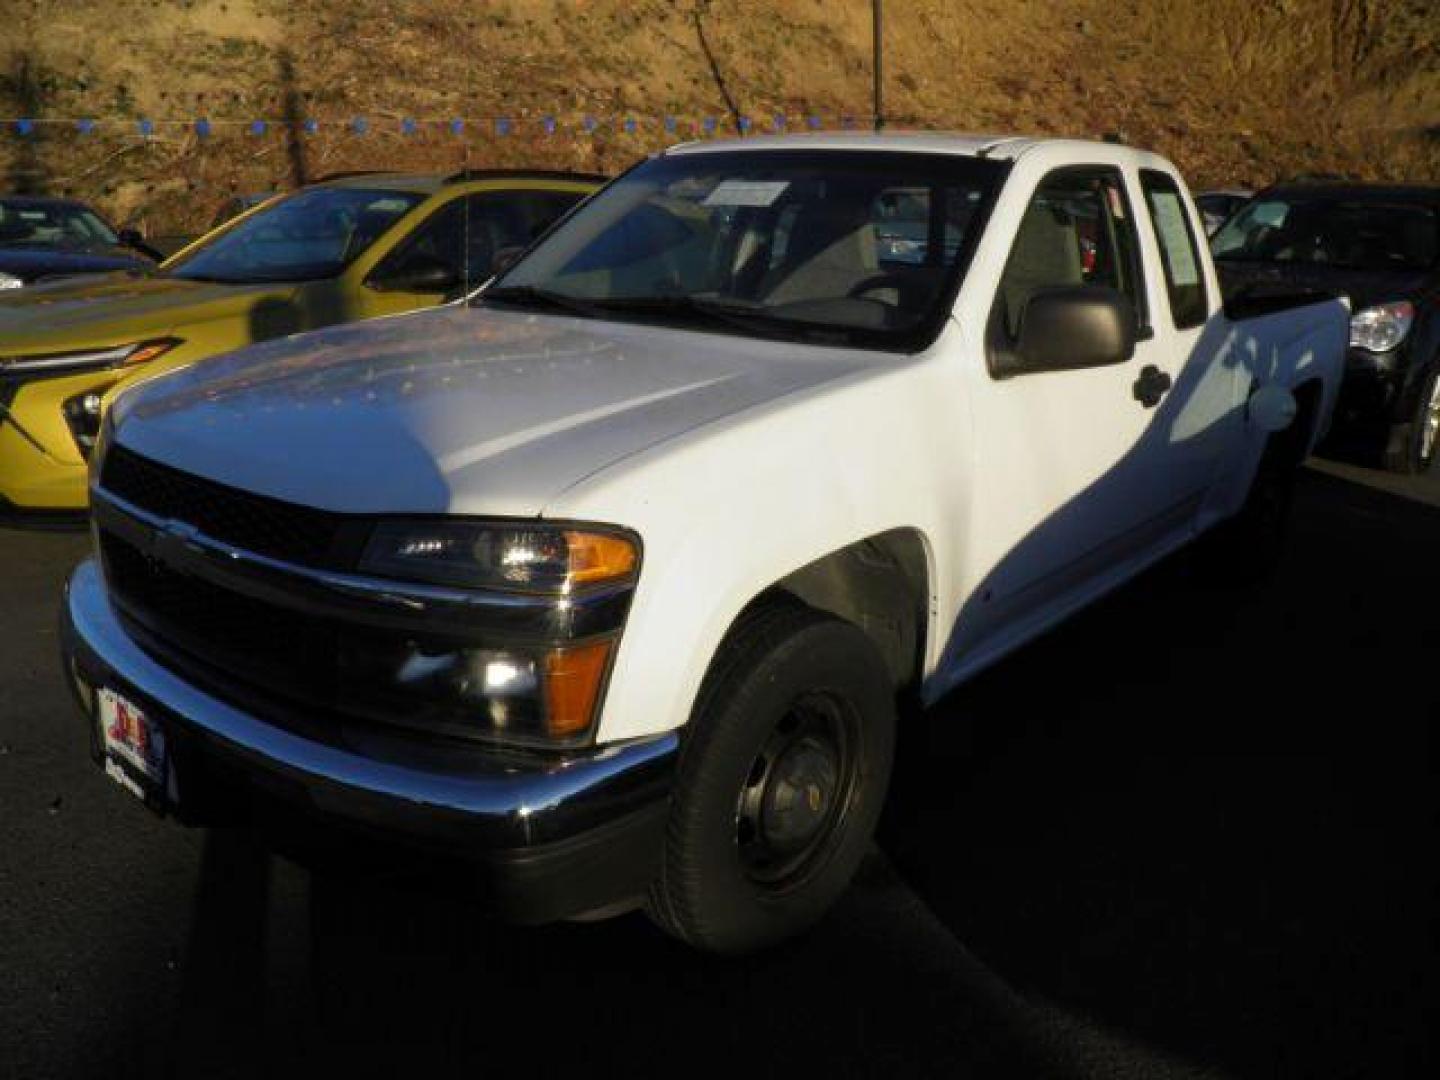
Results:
[1174, 237]
[1271, 214]
[746, 192]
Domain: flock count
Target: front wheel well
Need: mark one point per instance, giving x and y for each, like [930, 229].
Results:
[880, 584]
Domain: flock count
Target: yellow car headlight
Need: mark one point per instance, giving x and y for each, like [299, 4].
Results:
[69, 363]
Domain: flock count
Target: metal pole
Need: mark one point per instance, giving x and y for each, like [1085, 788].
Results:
[877, 8]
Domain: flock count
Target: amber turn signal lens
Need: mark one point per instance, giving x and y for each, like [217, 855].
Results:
[149, 351]
[572, 687]
[599, 557]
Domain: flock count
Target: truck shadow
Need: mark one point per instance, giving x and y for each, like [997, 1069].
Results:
[1192, 830]
[1206, 818]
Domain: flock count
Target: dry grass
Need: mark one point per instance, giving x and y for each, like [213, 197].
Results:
[1234, 90]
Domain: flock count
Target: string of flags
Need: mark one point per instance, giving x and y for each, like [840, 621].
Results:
[458, 126]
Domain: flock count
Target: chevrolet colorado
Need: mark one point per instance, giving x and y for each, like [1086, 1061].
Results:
[604, 584]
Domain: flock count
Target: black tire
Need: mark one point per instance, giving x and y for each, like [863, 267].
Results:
[781, 781]
[1410, 447]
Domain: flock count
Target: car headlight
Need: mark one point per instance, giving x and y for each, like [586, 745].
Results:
[538, 694]
[516, 557]
[120, 356]
[522, 695]
[10, 281]
[1382, 327]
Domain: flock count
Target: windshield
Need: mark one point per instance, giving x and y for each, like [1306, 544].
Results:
[314, 233]
[52, 225]
[1333, 232]
[854, 247]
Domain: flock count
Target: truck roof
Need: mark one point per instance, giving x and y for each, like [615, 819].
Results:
[995, 147]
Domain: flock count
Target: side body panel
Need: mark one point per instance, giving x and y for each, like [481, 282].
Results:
[993, 481]
[734, 507]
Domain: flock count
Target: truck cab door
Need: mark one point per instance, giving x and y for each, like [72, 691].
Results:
[1074, 481]
[1203, 420]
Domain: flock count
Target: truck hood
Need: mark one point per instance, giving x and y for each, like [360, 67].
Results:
[115, 309]
[456, 410]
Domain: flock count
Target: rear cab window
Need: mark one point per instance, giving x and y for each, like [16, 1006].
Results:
[1179, 252]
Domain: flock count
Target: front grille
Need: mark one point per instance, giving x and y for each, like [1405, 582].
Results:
[265, 656]
[288, 651]
[265, 526]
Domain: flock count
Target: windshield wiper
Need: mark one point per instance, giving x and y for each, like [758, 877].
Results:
[754, 319]
[750, 319]
[532, 296]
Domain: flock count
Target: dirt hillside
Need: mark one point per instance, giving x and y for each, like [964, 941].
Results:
[1237, 91]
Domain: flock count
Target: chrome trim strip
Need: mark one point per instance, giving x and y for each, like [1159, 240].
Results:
[68, 363]
[513, 802]
[357, 598]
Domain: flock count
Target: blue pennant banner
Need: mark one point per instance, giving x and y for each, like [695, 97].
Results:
[671, 124]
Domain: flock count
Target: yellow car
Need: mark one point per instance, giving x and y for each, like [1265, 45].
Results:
[353, 247]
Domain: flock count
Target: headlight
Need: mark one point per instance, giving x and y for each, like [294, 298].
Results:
[120, 356]
[526, 558]
[10, 281]
[514, 691]
[520, 695]
[1382, 327]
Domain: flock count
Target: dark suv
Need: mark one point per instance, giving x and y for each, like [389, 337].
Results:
[1379, 245]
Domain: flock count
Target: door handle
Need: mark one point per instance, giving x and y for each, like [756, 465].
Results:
[1151, 386]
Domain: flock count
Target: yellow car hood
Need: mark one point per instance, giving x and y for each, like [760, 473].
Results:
[113, 309]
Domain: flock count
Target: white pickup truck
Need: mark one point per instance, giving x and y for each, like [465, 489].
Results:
[602, 586]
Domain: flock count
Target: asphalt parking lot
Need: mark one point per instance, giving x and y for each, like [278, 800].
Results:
[1192, 833]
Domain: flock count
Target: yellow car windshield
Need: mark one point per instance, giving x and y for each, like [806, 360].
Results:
[312, 234]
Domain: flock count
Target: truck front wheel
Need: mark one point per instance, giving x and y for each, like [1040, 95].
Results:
[781, 781]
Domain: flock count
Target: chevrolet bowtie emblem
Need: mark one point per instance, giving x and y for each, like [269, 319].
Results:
[172, 540]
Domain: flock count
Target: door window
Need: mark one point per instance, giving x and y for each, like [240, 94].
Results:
[1184, 278]
[466, 233]
[1077, 230]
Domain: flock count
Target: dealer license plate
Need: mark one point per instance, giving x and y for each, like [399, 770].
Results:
[134, 747]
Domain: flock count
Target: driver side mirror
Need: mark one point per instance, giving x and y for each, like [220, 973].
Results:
[132, 239]
[1076, 326]
[421, 274]
[505, 257]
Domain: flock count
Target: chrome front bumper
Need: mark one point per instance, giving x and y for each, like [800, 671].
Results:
[551, 836]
